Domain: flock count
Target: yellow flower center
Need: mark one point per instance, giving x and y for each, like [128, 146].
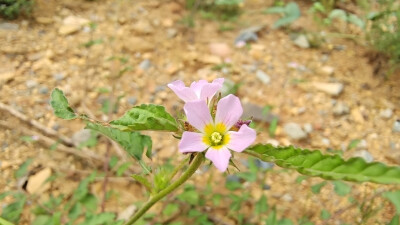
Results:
[216, 135]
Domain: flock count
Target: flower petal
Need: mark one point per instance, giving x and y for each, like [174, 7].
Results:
[229, 110]
[198, 86]
[198, 114]
[184, 93]
[220, 157]
[192, 142]
[219, 81]
[209, 90]
[242, 139]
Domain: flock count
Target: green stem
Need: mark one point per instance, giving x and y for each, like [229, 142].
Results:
[198, 160]
[253, 154]
[179, 167]
[5, 222]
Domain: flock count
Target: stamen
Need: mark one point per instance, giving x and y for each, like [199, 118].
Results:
[216, 137]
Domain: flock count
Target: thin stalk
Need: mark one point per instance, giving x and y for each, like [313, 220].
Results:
[179, 167]
[198, 160]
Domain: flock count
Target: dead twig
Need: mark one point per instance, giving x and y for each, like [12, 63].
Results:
[341, 211]
[84, 153]
[49, 132]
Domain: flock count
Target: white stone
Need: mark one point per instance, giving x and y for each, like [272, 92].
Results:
[72, 24]
[294, 131]
[263, 77]
[301, 41]
[365, 155]
[386, 114]
[333, 89]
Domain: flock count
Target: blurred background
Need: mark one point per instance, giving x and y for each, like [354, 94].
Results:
[314, 74]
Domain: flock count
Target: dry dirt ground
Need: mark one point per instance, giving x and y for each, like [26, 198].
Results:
[47, 51]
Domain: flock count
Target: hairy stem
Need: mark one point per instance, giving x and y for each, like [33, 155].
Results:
[198, 160]
[179, 167]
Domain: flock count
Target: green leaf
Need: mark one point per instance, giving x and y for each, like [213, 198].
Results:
[292, 10]
[170, 209]
[341, 188]
[189, 195]
[272, 127]
[102, 218]
[42, 220]
[356, 20]
[271, 220]
[90, 202]
[395, 220]
[394, 197]
[23, 169]
[113, 161]
[12, 212]
[331, 167]
[146, 117]
[276, 9]
[216, 199]
[338, 13]
[353, 144]
[261, 205]
[299, 179]
[5, 222]
[60, 105]
[325, 214]
[132, 142]
[83, 187]
[122, 168]
[161, 179]
[75, 211]
[143, 180]
[316, 189]
[284, 21]
[285, 222]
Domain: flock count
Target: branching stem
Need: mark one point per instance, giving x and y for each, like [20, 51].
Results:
[198, 160]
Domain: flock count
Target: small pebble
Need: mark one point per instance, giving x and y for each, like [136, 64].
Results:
[43, 90]
[302, 41]
[266, 187]
[308, 128]
[365, 155]
[58, 76]
[232, 178]
[261, 75]
[171, 33]
[287, 197]
[9, 26]
[294, 131]
[340, 109]
[396, 126]
[326, 141]
[386, 114]
[31, 83]
[263, 165]
[145, 65]
[56, 127]
[132, 100]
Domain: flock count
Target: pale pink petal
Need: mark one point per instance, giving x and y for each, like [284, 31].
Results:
[198, 114]
[229, 111]
[192, 142]
[198, 86]
[219, 157]
[242, 139]
[184, 93]
[209, 90]
[219, 81]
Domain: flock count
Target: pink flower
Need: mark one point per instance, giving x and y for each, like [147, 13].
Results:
[201, 90]
[214, 135]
